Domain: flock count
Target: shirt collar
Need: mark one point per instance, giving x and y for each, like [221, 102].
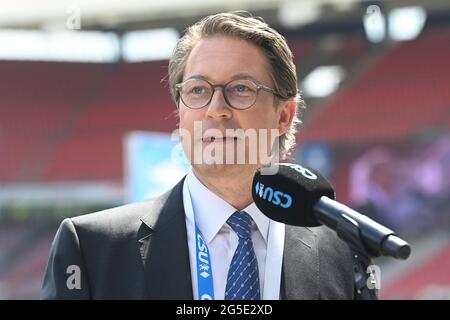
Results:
[211, 212]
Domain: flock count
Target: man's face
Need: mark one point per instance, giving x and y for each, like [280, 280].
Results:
[220, 59]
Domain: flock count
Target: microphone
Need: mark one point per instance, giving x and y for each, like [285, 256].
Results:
[299, 196]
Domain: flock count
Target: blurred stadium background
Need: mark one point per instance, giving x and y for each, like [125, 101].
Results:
[80, 80]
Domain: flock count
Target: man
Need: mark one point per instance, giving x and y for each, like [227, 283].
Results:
[205, 239]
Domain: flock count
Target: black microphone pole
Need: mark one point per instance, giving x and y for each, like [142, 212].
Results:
[363, 233]
[366, 286]
[349, 229]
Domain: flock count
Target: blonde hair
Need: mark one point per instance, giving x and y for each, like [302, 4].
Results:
[244, 26]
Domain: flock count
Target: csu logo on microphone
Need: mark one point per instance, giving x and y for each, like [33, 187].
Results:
[277, 198]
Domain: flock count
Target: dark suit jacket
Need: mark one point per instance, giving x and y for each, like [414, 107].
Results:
[140, 251]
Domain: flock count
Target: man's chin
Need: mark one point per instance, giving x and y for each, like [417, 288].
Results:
[217, 165]
[224, 168]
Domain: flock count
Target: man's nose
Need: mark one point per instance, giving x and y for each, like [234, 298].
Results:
[218, 107]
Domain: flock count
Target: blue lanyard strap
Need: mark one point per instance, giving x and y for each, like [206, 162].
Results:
[204, 270]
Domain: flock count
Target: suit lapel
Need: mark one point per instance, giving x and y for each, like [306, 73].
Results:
[300, 271]
[164, 249]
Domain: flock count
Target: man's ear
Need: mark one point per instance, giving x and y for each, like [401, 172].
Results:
[287, 111]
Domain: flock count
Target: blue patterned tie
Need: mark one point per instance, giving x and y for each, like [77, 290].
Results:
[243, 275]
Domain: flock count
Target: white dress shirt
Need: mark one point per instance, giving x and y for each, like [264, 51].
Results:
[210, 213]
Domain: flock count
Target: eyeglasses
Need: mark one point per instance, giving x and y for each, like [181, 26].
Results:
[239, 94]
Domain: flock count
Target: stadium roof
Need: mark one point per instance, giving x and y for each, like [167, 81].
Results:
[144, 14]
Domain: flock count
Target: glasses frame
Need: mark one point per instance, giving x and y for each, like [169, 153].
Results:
[259, 86]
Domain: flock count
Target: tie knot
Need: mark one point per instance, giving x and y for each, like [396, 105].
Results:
[241, 223]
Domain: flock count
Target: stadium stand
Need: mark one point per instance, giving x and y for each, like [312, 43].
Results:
[135, 98]
[407, 90]
[24, 276]
[39, 101]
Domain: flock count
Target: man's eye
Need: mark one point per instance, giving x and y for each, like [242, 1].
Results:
[197, 90]
[241, 88]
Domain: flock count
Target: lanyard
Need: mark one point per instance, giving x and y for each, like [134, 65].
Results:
[204, 270]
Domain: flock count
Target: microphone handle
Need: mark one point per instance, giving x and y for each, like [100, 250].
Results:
[375, 239]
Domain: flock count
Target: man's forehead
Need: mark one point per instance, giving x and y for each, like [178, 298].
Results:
[227, 58]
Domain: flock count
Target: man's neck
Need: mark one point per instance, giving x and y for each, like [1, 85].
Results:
[235, 191]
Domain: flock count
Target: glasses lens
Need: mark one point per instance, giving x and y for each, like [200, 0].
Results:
[195, 93]
[241, 94]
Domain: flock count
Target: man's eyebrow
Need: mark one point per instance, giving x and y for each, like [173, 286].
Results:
[197, 76]
[236, 76]
[242, 76]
